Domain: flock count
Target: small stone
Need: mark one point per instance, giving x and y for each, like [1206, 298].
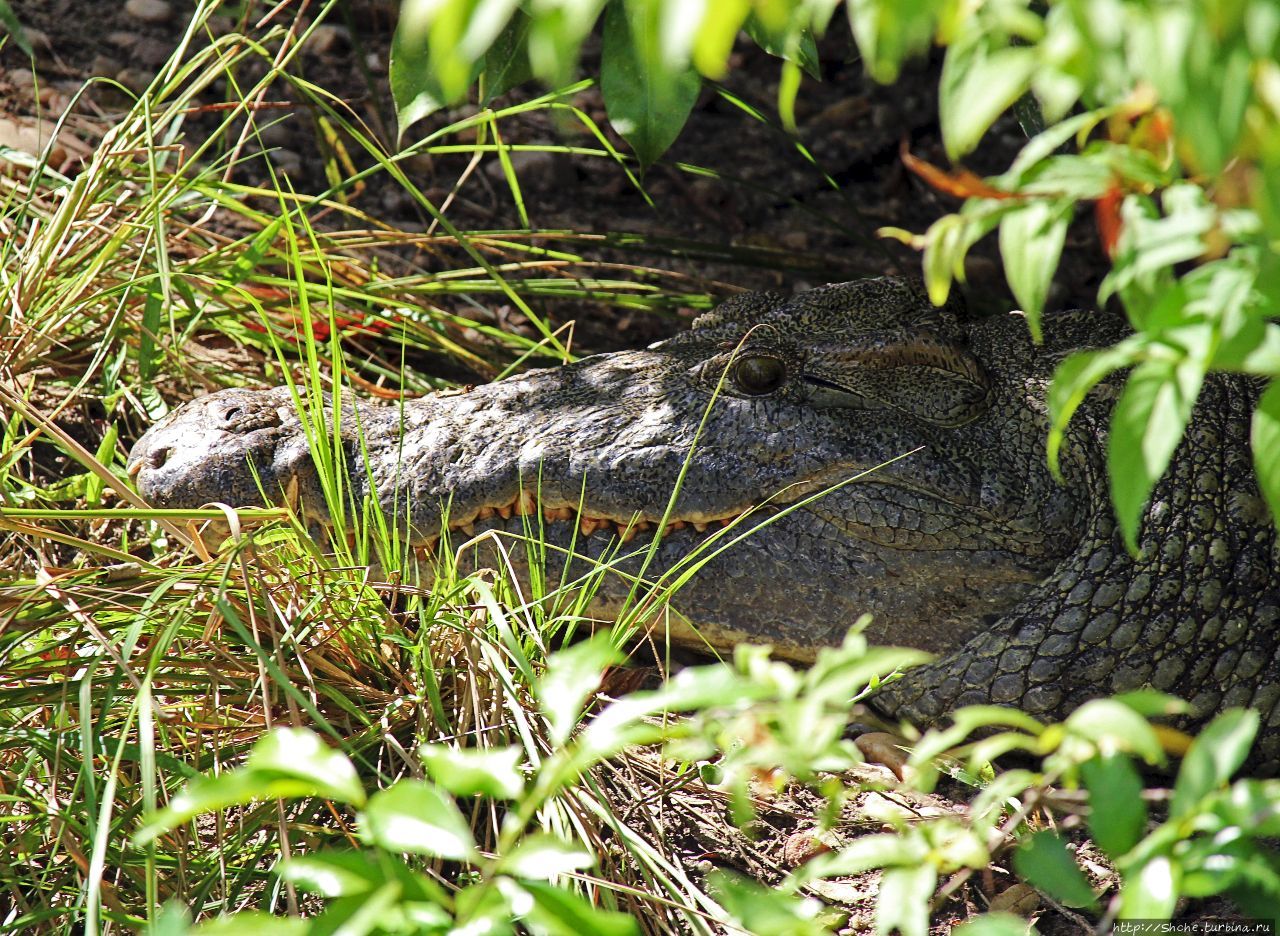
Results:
[21, 77]
[537, 170]
[329, 40]
[1020, 899]
[881, 747]
[287, 161]
[122, 39]
[804, 846]
[149, 11]
[104, 65]
[151, 53]
[135, 79]
[373, 62]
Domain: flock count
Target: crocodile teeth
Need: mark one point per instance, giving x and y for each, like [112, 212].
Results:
[524, 503]
[557, 513]
[626, 533]
[504, 511]
[699, 526]
[588, 525]
[485, 513]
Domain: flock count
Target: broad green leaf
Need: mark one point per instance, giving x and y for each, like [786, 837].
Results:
[721, 22]
[557, 911]
[252, 923]
[1151, 892]
[1079, 373]
[544, 857]
[1117, 813]
[349, 873]
[1146, 426]
[981, 78]
[296, 753]
[764, 911]
[556, 33]
[1031, 239]
[438, 50]
[995, 924]
[888, 32]
[374, 912]
[1264, 439]
[1114, 727]
[903, 901]
[14, 28]
[1043, 860]
[1253, 805]
[1215, 754]
[209, 794]
[506, 64]
[885, 850]
[468, 771]
[648, 98]
[795, 43]
[572, 675]
[418, 817]
[1150, 703]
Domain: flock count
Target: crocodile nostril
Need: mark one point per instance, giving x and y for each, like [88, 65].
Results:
[157, 458]
[231, 414]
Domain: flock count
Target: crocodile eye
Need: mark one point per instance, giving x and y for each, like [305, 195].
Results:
[759, 375]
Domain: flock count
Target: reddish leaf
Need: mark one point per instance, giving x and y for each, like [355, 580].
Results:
[961, 184]
[1106, 211]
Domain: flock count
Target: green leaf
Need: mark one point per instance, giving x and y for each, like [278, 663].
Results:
[351, 873]
[1079, 373]
[763, 911]
[252, 923]
[995, 924]
[14, 28]
[296, 753]
[1264, 438]
[885, 850]
[374, 912]
[506, 64]
[1252, 805]
[1146, 426]
[418, 817]
[1113, 727]
[289, 763]
[981, 78]
[469, 771]
[1031, 239]
[903, 902]
[888, 32]
[648, 98]
[1216, 753]
[1043, 860]
[557, 911]
[1151, 892]
[544, 857]
[572, 676]
[1117, 813]
[437, 52]
[715, 36]
[794, 43]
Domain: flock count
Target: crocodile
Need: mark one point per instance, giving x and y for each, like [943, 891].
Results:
[882, 455]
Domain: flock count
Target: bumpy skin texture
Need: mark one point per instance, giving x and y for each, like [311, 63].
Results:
[965, 547]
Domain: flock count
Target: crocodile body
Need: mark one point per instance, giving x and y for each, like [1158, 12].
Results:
[892, 455]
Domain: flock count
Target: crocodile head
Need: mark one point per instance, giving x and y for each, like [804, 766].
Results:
[890, 452]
